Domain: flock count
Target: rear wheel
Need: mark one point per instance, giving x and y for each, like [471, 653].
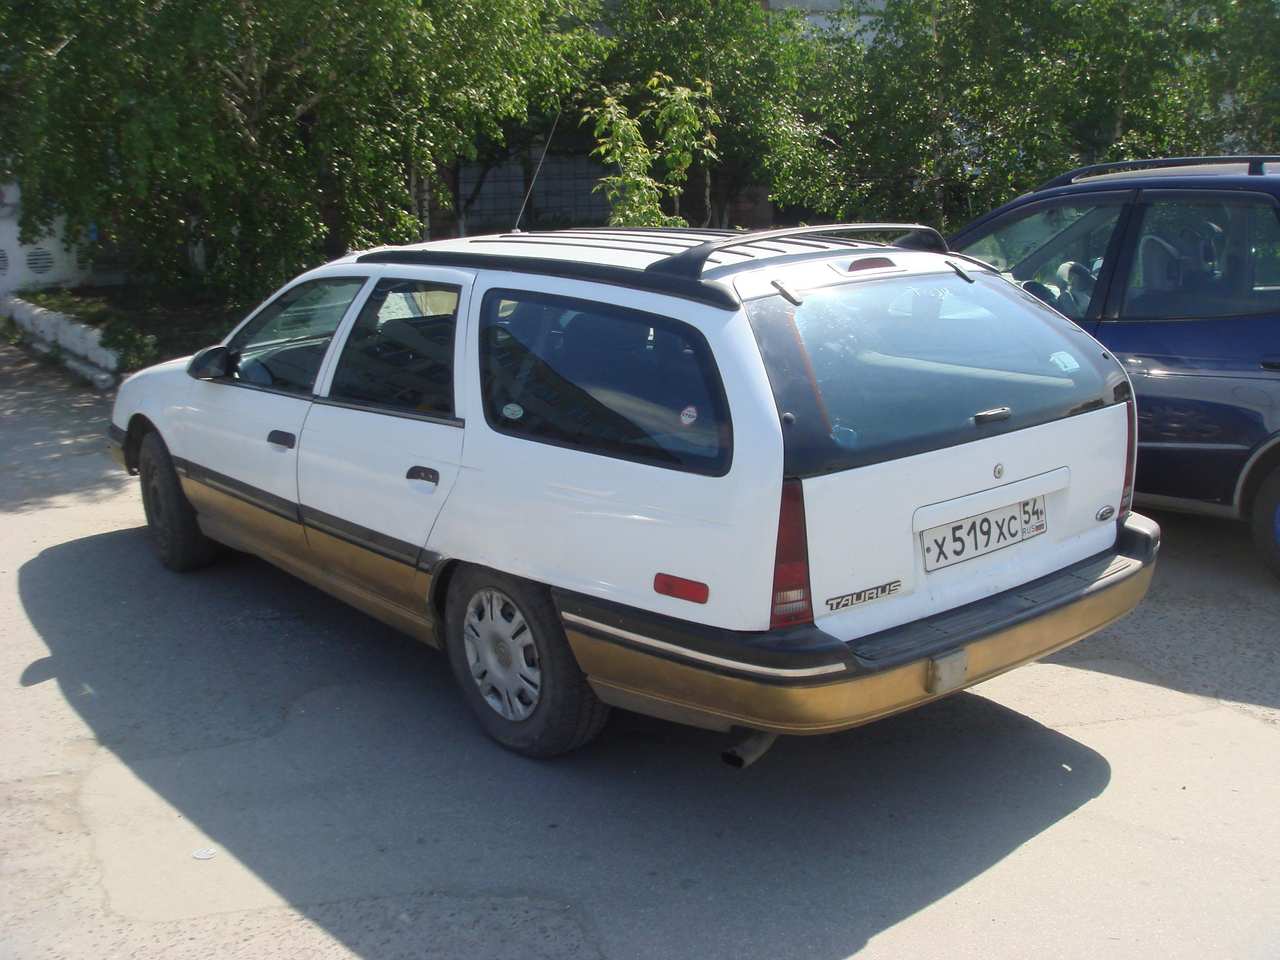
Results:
[171, 520]
[510, 656]
[1265, 521]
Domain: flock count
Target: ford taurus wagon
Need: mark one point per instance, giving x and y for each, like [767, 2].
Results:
[783, 482]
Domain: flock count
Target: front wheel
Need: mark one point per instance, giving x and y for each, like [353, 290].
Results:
[509, 654]
[171, 520]
[1265, 521]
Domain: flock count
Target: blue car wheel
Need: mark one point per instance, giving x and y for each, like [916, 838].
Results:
[1266, 521]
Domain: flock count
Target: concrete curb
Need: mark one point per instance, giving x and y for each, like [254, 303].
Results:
[78, 345]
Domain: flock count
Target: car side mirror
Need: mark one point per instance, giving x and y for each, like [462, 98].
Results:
[210, 363]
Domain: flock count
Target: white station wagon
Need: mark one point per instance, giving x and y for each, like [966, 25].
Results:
[782, 482]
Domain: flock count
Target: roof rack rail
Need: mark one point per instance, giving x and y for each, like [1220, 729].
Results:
[695, 289]
[689, 263]
[1071, 176]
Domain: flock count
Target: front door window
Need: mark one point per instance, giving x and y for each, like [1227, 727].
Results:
[1055, 252]
[284, 345]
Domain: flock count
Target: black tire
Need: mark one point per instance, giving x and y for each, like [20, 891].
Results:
[1265, 521]
[171, 520]
[566, 713]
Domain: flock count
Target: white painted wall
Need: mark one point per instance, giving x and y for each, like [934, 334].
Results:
[46, 263]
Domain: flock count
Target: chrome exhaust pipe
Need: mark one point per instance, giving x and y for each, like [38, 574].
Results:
[748, 750]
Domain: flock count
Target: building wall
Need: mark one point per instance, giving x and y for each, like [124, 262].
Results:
[46, 263]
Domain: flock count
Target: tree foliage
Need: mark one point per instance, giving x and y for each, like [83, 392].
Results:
[1243, 65]
[644, 176]
[265, 135]
[940, 111]
[750, 57]
[233, 142]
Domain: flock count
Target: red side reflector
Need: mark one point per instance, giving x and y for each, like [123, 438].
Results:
[680, 588]
[791, 604]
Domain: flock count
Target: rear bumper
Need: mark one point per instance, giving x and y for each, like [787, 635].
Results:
[637, 661]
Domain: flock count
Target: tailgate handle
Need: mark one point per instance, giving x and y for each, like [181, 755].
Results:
[992, 416]
[426, 474]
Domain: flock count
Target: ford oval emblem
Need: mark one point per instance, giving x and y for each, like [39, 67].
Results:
[998, 472]
[1106, 513]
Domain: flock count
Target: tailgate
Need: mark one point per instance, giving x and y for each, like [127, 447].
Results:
[1009, 509]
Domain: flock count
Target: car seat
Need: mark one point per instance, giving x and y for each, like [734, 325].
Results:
[1076, 289]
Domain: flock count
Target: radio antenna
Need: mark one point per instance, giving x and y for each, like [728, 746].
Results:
[528, 193]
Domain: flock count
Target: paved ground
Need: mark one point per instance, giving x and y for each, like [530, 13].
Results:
[1118, 801]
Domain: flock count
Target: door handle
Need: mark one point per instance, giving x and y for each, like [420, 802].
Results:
[1271, 363]
[423, 473]
[993, 415]
[282, 439]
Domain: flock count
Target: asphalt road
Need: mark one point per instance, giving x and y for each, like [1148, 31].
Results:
[1119, 800]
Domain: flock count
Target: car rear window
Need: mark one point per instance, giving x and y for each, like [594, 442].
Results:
[604, 379]
[870, 371]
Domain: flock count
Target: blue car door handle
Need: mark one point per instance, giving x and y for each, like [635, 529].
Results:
[1271, 363]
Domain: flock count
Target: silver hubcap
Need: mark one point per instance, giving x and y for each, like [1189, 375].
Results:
[501, 655]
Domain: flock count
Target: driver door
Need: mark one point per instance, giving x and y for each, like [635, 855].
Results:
[1061, 250]
[241, 432]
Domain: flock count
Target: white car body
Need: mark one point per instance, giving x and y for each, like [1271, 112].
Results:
[337, 508]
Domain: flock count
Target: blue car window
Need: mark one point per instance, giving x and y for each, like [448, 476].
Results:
[1198, 259]
[1055, 252]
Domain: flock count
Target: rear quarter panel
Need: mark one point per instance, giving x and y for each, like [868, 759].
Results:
[603, 526]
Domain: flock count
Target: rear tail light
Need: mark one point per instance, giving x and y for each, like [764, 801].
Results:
[1130, 459]
[791, 602]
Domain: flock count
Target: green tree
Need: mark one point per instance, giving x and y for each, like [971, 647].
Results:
[752, 59]
[265, 135]
[682, 120]
[1244, 75]
[940, 111]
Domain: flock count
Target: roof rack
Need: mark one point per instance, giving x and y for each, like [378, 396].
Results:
[689, 263]
[686, 288]
[677, 275]
[1094, 169]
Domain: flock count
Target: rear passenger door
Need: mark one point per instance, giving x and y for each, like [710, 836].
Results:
[1195, 318]
[382, 444]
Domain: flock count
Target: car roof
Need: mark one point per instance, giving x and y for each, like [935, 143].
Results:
[1221, 166]
[685, 262]
[1260, 174]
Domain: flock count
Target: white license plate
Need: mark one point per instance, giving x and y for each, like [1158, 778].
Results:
[976, 536]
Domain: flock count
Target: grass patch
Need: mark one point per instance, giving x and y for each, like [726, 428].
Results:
[141, 325]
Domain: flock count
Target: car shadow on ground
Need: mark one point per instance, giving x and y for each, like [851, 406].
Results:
[1208, 625]
[334, 759]
[55, 431]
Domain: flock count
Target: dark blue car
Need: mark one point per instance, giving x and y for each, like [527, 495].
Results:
[1174, 265]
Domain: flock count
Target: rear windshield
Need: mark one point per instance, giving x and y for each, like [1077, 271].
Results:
[872, 371]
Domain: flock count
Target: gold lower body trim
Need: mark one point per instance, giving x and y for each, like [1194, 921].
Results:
[392, 592]
[634, 680]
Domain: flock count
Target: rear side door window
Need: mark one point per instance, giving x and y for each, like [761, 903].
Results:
[399, 353]
[283, 346]
[604, 379]
[1204, 257]
[1056, 251]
